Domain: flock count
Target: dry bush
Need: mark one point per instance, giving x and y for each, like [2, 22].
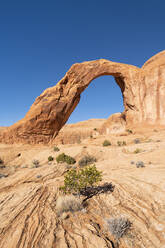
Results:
[35, 163]
[56, 149]
[86, 160]
[118, 226]
[68, 203]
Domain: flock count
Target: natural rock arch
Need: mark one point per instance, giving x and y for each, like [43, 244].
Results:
[143, 93]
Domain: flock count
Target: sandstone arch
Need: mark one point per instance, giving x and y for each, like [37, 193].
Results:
[143, 93]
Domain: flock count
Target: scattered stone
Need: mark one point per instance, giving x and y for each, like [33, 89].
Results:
[38, 176]
[49, 163]
[132, 162]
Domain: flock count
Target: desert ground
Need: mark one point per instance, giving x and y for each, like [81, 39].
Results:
[28, 195]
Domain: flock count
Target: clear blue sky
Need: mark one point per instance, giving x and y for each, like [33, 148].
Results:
[40, 40]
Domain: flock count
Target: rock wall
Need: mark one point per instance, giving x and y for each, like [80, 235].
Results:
[143, 93]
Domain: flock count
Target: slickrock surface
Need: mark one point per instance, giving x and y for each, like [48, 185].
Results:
[143, 93]
[28, 217]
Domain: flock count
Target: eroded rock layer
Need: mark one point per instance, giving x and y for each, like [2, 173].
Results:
[143, 93]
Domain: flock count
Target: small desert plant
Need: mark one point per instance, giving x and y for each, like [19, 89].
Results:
[95, 129]
[62, 158]
[129, 130]
[2, 175]
[121, 143]
[137, 150]
[118, 226]
[140, 164]
[50, 158]
[106, 143]
[75, 181]
[56, 149]
[68, 203]
[35, 163]
[136, 141]
[86, 160]
[1, 161]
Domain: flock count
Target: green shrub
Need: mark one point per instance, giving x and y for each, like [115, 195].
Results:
[50, 158]
[121, 143]
[62, 158]
[106, 143]
[56, 149]
[68, 203]
[75, 181]
[86, 160]
[137, 150]
[118, 226]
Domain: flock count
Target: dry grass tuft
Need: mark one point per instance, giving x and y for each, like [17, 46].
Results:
[68, 203]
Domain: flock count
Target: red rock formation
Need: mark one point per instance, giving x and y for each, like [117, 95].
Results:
[142, 89]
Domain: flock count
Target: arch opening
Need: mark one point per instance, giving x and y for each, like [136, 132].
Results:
[101, 98]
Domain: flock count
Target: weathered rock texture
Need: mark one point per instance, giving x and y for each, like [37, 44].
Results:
[143, 93]
[28, 216]
[114, 124]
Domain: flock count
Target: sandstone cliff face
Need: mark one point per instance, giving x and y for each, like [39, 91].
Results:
[143, 93]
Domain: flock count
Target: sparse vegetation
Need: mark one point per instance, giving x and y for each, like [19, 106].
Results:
[75, 181]
[137, 150]
[1, 161]
[63, 158]
[121, 143]
[2, 176]
[86, 160]
[35, 163]
[95, 129]
[129, 131]
[118, 226]
[106, 143]
[136, 141]
[56, 149]
[50, 158]
[140, 164]
[68, 203]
